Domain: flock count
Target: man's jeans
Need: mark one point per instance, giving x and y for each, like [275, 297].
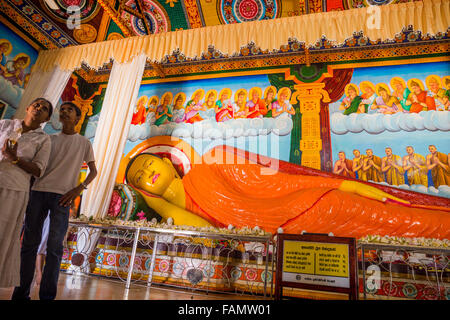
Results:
[38, 208]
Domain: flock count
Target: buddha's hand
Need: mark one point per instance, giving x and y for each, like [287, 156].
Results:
[367, 191]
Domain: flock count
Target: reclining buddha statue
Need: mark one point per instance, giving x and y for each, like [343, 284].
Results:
[250, 194]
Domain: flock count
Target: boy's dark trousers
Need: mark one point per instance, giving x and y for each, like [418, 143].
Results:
[39, 206]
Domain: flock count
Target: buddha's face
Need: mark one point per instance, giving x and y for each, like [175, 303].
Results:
[270, 95]
[255, 96]
[151, 174]
[241, 98]
[224, 96]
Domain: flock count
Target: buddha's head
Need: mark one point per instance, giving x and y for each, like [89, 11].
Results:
[151, 173]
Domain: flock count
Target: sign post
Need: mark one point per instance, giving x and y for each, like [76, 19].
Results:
[316, 262]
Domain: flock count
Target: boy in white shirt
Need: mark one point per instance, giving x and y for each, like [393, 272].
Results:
[53, 194]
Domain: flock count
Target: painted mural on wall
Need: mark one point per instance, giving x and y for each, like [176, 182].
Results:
[391, 127]
[238, 110]
[16, 59]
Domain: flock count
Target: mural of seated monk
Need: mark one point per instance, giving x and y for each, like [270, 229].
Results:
[251, 195]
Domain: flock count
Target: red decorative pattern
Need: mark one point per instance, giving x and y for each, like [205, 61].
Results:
[248, 9]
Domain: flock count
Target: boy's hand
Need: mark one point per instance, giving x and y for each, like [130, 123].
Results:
[10, 149]
[68, 198]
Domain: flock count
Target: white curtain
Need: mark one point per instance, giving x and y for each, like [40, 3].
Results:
[112, 132]
[49, 85]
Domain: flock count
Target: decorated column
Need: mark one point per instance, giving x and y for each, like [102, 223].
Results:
[310, 96]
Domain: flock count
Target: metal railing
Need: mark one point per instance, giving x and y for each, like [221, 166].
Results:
[404, 272]
[243, 264]
[191, 259]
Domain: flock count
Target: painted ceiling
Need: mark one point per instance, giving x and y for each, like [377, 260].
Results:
[49, 24]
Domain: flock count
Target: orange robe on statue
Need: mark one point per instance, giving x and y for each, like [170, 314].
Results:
[240, 195]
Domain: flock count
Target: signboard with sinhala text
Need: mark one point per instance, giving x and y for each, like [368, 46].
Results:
[316, 262]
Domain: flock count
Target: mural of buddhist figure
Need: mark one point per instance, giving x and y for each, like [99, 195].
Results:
[401, 92]
[239, 105]
[210, 100]
[357, 166]
[282, 105]
[436, 92]
[203, 197]
[438, 163]
[140, 112]
[385, 103]
[208, 107]
[193, 107]
[269, 97]
[418, 99]
[368, 97]
[415, 166]
[178, 107]
[392, 167]
[5, 50]
[372, 167]
[344, 166]
[256, 107]
[446, 81]
[352, 100]
[153, 104]
[13, 71]
[163, 113]
[224, 109]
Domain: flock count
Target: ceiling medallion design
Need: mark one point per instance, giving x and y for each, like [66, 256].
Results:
[85, 33]
[156, 17]
[235, 11]
[88, 9]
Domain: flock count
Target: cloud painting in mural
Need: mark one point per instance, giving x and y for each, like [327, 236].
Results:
[210, 129]
[378, 123]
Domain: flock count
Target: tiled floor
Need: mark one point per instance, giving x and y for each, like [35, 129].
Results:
[97, 288]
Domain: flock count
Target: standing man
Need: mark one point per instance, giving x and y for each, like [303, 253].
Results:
[358, 162]
[343, 166]
[392, 167]
[372, 167]
[437, 162]
[415, 166]
[53, 194]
